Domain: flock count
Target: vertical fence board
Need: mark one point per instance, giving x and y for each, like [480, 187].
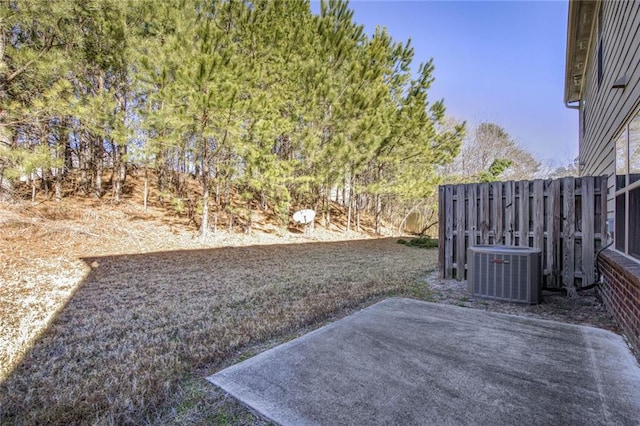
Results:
[460, 231]
[510, 206]
[568, 232]
[553, 233]
[523, 214]
[498, 213]
[557, 226]
[472, 195]
[587, 200]
[448, 230]
[484, 213]
[538, 214]
[442, 235]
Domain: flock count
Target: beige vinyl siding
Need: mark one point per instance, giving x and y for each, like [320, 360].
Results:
[609, 109]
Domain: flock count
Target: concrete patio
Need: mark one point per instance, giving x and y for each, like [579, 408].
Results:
[406, 362]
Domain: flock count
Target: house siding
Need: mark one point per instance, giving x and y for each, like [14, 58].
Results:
[608, 109]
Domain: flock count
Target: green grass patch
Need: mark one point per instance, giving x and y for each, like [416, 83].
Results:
[421, 242]
[420, 290]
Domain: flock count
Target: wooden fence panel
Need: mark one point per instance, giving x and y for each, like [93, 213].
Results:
[587, 231]
[568, 231]
[498, 213]
[565, 218]
[460, 232]
[448, 230]
[442, 230]
[523, 214]
[472, 205]
[484, 213]
[553, 234]
[538, 214]
[510, 209]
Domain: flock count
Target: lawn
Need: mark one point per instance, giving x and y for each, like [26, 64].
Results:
[135, 340]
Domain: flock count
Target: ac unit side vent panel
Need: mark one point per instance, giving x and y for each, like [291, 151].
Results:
[505, 273]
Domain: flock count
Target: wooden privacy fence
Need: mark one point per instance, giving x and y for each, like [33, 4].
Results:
[565, 218]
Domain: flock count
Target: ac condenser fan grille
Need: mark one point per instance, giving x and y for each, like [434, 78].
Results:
[505, 273]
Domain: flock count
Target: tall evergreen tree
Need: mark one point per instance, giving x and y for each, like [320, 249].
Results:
[262, 100]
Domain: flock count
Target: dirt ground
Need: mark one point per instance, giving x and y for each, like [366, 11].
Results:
[585, 308]
[114, 316]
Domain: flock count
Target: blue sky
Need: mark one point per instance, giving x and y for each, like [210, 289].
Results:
[497, 61]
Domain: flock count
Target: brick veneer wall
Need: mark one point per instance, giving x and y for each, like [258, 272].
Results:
[621, 293]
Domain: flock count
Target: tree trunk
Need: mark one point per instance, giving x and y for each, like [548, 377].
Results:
[33, 187]
[115, 180]
[327, 207]
[5, 184]
[349, 215]
[247, 229]
[45, 182]
[378, 214]
[98, 149]
[145, 196]
[98, 168]
[68, 153]
[85, 158]
[61, 154]
[204, 226]
[120, 172]
[358, 203]
[161, 170]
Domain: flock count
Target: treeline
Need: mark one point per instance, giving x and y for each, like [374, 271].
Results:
[266, 104]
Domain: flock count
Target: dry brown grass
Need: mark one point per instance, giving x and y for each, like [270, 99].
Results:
[127, 339]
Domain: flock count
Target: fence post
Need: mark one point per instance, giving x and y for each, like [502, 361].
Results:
[441, 230]
[472, 196]
[523, 214]
[448, 230]
[484, 213]
[460, 231]
[498, 213]
[587, 199]
[568, 232]
[538, 216]
[509, 206]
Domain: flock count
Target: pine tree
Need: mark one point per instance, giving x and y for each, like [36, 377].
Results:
[207, 87]
[35, 38]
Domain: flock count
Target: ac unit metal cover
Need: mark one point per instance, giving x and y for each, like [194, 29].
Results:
[507, 273]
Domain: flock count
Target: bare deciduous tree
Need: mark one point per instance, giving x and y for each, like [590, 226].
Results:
[487, 146]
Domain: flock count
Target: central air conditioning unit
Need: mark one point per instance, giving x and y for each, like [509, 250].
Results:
[507, 273]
